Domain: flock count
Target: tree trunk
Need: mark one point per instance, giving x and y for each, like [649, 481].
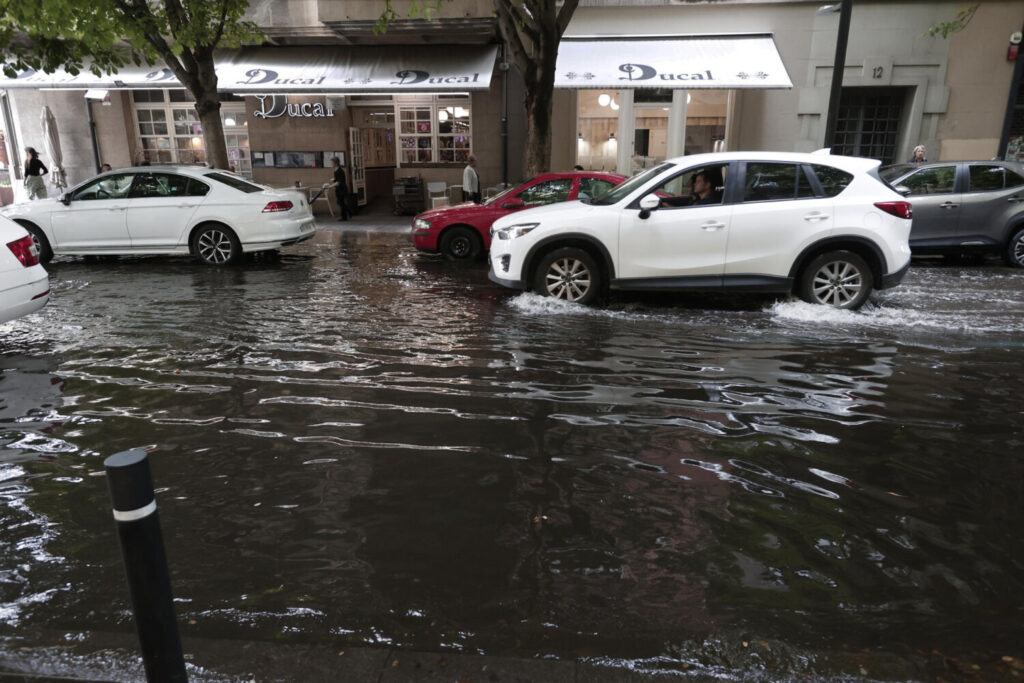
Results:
[537, 155]
[204, 89]
[213, 131]
[540, 99]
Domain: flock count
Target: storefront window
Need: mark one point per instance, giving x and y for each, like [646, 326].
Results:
[170, 131]
[236, 137]
[434, 133]
[596, 144]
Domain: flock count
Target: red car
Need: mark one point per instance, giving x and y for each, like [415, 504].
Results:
[462, 231]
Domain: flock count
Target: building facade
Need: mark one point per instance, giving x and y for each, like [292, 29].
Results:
[637, 81]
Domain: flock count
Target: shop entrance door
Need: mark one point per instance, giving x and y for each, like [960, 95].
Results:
[355, 149]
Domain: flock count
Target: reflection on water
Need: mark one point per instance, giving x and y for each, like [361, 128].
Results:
[358, 445]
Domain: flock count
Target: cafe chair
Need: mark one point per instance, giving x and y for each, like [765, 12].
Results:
[437, 192]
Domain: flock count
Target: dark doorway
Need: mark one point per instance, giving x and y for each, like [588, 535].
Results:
[868, 123]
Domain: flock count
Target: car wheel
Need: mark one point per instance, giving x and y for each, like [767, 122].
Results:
[216, 245]
[460, 244]
[42, 244]
[836, 278]
[1014, 255]
[568, 274]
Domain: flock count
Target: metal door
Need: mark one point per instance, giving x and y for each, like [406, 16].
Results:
[355, 151]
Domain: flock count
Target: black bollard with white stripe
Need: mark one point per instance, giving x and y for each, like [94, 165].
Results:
[142, 546]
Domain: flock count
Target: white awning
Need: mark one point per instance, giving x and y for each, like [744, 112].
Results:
[322, 69]
[359, 69]
[618, 62]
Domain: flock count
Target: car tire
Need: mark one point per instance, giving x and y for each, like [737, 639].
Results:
[1014, 254]
[216, 245]
[569, 274]
[841, 279]
[42, 244]
[461, 244]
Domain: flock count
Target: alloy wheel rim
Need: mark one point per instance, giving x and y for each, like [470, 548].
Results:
[214, 246]
[837, 283]
[568, 279]
[1018, 250]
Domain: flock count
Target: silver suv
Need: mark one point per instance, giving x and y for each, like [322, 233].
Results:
[963, 207]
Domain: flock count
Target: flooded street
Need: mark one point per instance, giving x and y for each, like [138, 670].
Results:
[358, 446]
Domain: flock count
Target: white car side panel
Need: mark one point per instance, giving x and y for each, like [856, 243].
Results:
[673, 242]
[764, 236]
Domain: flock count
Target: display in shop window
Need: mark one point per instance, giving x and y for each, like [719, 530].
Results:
[1015, 148]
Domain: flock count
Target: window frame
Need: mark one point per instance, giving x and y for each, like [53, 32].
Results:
[434, 105]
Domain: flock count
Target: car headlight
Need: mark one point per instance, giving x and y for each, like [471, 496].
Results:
[514, 231]
[421, 224]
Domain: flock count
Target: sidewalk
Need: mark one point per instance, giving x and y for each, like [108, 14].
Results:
[373, 222]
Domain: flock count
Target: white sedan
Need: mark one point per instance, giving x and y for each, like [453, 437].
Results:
[24, 284]
[211, 214]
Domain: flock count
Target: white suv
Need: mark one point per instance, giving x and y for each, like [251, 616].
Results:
[823, 227]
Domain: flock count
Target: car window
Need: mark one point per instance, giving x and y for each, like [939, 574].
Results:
[775, 181]
[547, 192]
[235, 182]
[891, 173]
[626, 188]
[593, 187]
[114, 186]
[937, 180]
[986, 178]
[197, 188]
[832, 180]
[701, 186]
[159, 185]
[1013, 179]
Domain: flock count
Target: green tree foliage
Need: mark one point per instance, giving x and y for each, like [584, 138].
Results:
[104, 35]
[959, 23]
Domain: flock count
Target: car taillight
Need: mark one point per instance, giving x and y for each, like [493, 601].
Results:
[277, 206]
[898, 209]
[25, 250]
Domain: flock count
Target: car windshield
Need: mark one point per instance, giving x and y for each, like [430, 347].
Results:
[235, 182]
[620, 192]
[498, 197]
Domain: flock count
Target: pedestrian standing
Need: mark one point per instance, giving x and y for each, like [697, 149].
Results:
[35, 184]
[918, 156]
[340, 188]
[470, 181]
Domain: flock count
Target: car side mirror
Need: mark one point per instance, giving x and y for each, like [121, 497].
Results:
[648, 204]
[513, 203]
[65, 199]
[903, 190]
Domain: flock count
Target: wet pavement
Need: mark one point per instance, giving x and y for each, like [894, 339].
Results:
[375, 465]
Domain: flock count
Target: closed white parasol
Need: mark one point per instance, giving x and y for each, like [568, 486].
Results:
[51, 139]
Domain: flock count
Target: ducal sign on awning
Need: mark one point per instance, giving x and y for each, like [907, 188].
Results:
[321, 69]
[731, 61]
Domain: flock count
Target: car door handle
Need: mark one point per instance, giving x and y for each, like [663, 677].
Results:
[1014, 199]
[116, 208]
[948, 205]
[709, 227]
[816, 216]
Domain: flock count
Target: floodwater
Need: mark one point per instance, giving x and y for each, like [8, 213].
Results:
[359, 446]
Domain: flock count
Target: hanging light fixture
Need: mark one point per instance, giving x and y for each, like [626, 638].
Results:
[615, 105]
[603, 99]
[442, 115]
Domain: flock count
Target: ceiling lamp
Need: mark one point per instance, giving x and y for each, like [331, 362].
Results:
[603, 99]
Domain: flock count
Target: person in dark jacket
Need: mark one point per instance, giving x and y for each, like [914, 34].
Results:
[35, 183]
[340, 188]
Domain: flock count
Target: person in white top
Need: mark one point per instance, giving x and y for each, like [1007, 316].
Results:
[470, 182]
